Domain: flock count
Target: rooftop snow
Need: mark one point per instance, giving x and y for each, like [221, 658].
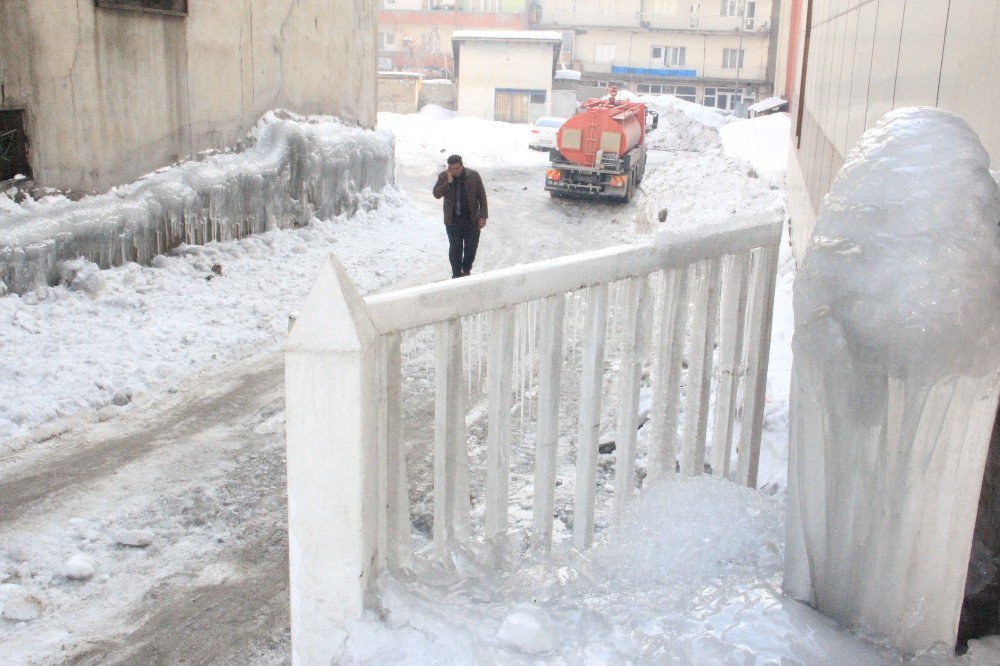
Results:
[767, 104]
[508, 35]
[568, 74]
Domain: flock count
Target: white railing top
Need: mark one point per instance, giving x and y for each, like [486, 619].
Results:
[441, 301]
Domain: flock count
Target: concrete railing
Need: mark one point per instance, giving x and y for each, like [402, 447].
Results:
[349, 512]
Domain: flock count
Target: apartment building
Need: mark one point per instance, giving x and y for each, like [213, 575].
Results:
[415, 35]
[719, 53]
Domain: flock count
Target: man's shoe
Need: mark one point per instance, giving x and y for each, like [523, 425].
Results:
[467, 273]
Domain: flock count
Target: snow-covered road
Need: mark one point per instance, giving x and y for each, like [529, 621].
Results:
[192, 466]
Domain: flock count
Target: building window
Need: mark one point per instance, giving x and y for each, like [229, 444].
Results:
[13, 145]
[751, 13]
[488, 5]
[608, 6]
[387, 41]
[559, 6]
[670, 56]
[537, 97]
[171, 7]
[730, 8]
[721, 98]
[732, 58]
[604, 54]
[686, 93]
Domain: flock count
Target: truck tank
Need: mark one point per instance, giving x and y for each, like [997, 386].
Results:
[605, 125]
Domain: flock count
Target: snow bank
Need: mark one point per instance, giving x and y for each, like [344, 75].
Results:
[895, 381]
[296, 168]
[761, 141]
[427, 138]
[107, 336]
[705, 115]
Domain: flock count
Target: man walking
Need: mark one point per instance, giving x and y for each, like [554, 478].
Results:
[465, 213]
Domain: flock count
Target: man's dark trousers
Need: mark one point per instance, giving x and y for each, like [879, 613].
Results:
[463, 240]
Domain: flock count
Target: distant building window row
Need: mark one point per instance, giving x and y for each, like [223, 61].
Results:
[725, 99]
[173, 7]
[687, 93]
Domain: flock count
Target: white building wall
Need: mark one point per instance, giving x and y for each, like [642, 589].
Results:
[866, 59]
[485, 66]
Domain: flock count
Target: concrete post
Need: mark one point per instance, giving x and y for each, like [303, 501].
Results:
[331, 401]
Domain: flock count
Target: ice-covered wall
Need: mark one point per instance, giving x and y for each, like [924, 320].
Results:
[295, 169]
[895, 380]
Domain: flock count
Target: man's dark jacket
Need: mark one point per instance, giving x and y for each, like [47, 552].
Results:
[476, 195]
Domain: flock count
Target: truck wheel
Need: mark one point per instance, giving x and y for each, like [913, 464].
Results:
[630, 188]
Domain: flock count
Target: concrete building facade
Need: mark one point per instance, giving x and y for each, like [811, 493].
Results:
[415, 35]
[848, 62]
[505, 75]
[108, 90]
[715, 52]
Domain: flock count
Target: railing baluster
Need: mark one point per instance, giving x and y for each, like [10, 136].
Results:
[666, 397]
[700, 367]
[755, 384]
[547, 433]
[634, 339]
[734, 299]
[591, 380]
[499, 371]
[400, 549]
[451, 458]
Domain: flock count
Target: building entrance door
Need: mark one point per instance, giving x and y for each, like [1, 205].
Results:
[511, 106]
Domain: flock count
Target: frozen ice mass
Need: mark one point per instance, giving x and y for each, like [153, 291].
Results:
[293, 169]
[895, 380]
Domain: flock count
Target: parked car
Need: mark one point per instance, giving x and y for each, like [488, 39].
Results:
[543, 133]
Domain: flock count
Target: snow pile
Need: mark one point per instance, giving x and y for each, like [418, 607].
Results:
[700, 113]
[704, 188]
[107, 336]
[427, 138]
[897, 369]
[296, 168]
[761, 141]
[690, 576]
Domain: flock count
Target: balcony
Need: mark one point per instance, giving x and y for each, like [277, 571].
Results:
[688, 72]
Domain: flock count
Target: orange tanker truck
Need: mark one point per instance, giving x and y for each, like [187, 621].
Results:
[600, 151]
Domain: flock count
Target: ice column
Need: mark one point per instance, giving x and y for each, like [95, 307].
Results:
[895, 380]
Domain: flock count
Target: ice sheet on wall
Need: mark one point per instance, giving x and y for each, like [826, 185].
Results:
[895, 380]
[295, 168]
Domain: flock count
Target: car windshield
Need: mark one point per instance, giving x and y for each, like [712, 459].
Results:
[549, 122]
